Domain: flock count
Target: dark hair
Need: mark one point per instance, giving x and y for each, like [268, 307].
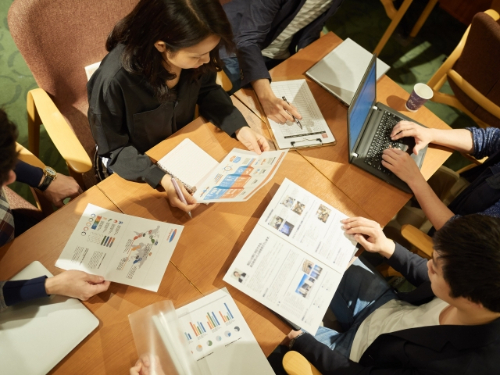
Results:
[470, 249]
[8, 154]
[178, 23]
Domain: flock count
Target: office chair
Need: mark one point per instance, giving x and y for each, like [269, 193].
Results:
[472, 72]
[58, 38]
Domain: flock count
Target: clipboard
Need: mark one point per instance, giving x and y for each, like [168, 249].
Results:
[315, 132]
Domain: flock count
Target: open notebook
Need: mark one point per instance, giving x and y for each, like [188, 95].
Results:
[179, 164]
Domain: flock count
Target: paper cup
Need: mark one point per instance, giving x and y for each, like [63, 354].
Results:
[421, 93]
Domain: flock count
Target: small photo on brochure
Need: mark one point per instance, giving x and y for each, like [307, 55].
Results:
[238, 275]
[314, 274]
[318, 269]
[304, 286]
[323, 213]
[298, 208]
[286, 228]
[288, 202]
[307, 266]
[276, 222]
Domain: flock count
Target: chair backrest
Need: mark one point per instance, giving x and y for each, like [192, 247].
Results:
[479, 65]
[58, 38]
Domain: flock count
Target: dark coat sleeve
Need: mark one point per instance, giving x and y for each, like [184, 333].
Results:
[21, 290]
[330, 362]
[254, 26]
[412, 266]
[216, 106]
[28, 174]
[311, 32]
[110, 132]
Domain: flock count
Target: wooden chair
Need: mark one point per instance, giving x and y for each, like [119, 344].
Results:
[396, 15]
[58, 39]
[296, 364]
[472, 71]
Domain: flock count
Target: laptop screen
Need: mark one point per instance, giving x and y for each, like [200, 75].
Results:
[361, 105]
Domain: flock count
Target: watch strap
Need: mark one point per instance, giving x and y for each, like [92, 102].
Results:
[46, 182]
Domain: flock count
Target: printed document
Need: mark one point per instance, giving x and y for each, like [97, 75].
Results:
[295, 257]
[314, 131]
[239, 176]
[219, 337]
[121, 248]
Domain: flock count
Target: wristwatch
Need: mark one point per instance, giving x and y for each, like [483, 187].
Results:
[50, 175]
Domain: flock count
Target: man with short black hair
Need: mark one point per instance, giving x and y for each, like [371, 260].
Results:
[448, 325]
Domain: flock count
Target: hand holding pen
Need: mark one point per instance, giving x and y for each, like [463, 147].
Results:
[294, 118]
[177, 195]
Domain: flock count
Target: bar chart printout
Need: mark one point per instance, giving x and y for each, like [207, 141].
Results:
[215, 331]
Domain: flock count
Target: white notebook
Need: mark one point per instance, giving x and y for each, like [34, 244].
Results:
[341, 71]
[188, 163]
[36, 335]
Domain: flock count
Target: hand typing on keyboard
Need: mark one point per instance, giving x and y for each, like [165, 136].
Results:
[402, 165]
[423, 136]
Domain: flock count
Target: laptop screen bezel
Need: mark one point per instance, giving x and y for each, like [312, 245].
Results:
[373, 61]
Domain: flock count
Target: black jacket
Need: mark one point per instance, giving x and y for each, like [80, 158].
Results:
[127, 119]
[443, 349]
[256, 23]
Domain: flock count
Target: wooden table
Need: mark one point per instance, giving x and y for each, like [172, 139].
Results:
[380, 200]
[110, 349]
[211, 240]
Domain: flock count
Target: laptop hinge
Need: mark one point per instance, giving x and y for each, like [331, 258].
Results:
[354, 154]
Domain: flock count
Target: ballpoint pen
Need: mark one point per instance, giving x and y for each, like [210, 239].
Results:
[179, 194]
[296, 119]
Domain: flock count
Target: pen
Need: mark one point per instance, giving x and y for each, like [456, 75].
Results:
[179, 194]
[296, 120]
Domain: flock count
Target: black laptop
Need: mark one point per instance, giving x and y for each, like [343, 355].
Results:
[369, 126]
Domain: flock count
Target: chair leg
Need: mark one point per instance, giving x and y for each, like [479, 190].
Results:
[392, 26]
[423, 17]
[34, 123]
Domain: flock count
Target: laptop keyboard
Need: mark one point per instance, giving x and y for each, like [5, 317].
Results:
[381, 141]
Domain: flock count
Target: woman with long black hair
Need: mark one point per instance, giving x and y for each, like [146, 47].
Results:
[162, 61]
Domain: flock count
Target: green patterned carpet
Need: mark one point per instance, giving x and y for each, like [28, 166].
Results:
[412, 61]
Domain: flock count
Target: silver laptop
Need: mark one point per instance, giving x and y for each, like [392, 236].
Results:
[369, 126]
[341, 71]
[36, 335]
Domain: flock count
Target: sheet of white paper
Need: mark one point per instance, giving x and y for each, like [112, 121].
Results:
[295, 257]
[188, 162]
[315, 130]
[219, 336]
[121, 248]
[304, 220]
[240, 175]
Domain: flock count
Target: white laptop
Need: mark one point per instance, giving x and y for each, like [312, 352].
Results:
[36, 335]
[341, 71]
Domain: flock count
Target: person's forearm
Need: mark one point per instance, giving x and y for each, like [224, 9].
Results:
[456, 139]
[435, 210]
[262, 88]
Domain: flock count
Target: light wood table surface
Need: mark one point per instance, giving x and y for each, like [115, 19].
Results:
[212, 239]
[109, 349]
[379, 199]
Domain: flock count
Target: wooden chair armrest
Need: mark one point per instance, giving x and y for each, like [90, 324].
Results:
[296, 364]
[25, 155]
[474, 94]
[224, 81]
[42, 110]
[417, 238]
